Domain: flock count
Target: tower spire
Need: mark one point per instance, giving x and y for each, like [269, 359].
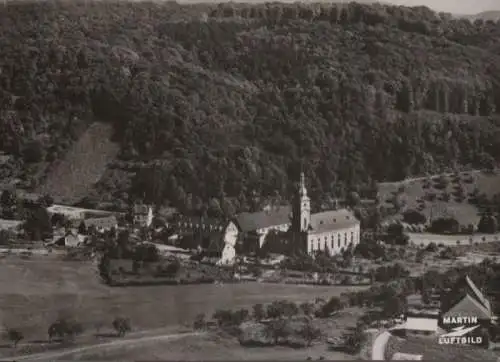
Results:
[302, 187]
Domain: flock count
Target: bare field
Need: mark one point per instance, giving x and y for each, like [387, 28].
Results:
[416, 190]
[33, 293]
[83, 166]
[431, 350]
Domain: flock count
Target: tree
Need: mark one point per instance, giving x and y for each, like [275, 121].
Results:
[432, 247]
[64, 328]
[239, 316]
[307, 308]
[395, 235]
[393, 307]
[104, 268]
[33, 152]
[353, 199]
[148, 253]
[121, 326]
[275, 310]
[8, 202]
[258, 312]
[223, 317]
[38, 224]
[446, 225]
[488, 224]
[15, 336]
[82, 228]
[173, 267]
[199, 321]
[333, 305]
[278, 329]
[355, 340]
[309, 331]
[414, 217]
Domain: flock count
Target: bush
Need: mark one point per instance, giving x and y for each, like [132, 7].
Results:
[223, 317]
[414, 217]
[258, 312]
[121, 326]
[199, 322]
[15, 336]
[333, 305]
[309, 332]
[432, 247]
[64, 329]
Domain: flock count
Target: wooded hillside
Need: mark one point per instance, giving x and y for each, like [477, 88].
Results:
[225, 100]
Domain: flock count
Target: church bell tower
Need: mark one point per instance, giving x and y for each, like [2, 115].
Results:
[301, 207]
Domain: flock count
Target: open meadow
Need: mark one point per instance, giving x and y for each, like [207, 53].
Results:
[429, 348]
[35, 292]
[210, 347]
[218, 346]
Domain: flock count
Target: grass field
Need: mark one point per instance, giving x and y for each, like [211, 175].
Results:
[431, 350]
[213, 347]
[210, 348]
[33, 293]
[415, 192]
[83, 166]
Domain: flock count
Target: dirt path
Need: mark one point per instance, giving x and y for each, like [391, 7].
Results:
[422, 178]
[378, 348]
[52, 355]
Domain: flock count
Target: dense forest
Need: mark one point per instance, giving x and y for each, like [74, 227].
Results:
[221, 105]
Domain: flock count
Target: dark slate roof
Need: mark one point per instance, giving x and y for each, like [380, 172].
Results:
[250, 221]
[332, 220]
[466, 293]
[468, 306]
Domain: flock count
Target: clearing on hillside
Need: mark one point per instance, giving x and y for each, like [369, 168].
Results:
[71, 178]
[442, 195]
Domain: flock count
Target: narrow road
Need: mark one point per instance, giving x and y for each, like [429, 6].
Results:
[51, 356]
[378, 347]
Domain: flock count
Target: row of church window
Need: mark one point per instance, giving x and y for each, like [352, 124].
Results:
[316, 246]
[197, 226]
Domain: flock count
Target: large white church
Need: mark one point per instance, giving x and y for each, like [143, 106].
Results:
[333, 230]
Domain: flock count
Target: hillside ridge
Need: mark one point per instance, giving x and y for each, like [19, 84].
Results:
[353, 94]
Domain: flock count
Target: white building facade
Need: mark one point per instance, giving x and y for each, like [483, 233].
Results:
[333, 231]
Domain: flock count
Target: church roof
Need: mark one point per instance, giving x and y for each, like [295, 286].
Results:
[251, 221]
[468, 306]
[476, 293]
[332, 220]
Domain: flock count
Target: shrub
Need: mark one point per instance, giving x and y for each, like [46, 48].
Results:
[15, 336]
[199, 322]
[64, 329]
[121, 326]
[309, 332]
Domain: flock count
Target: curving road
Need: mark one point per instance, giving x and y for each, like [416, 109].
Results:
[378, 347]
[53, 355]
